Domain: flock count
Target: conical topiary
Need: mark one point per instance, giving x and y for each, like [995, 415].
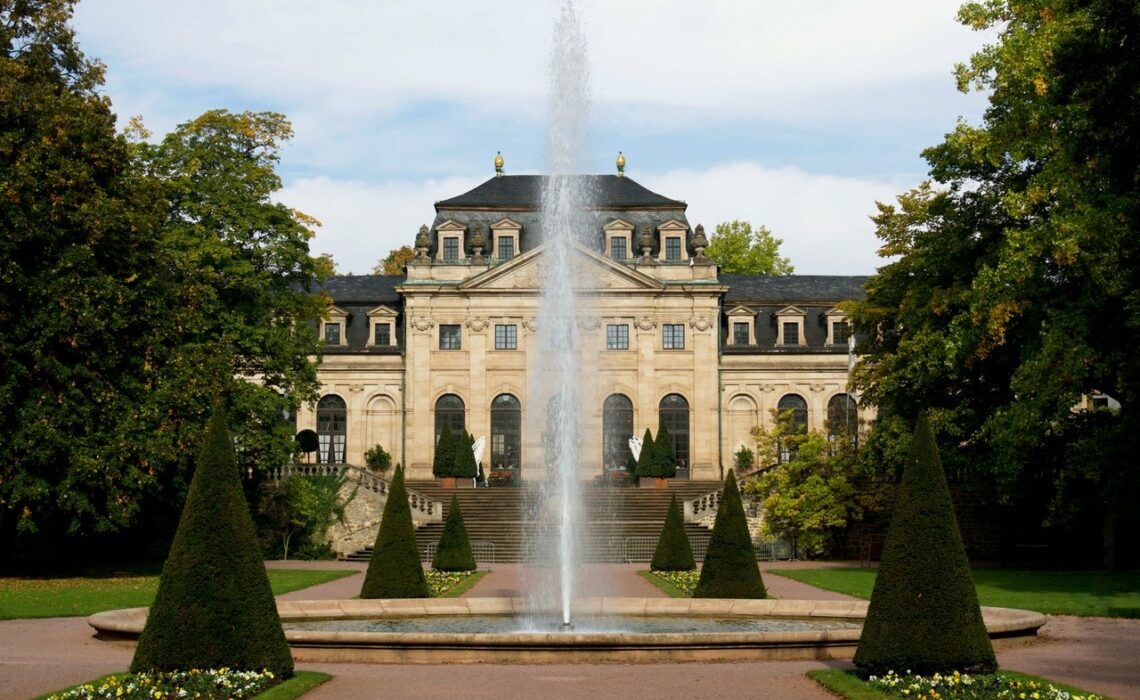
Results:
[214, 606]
[464, 466]
[924, 613]
[395, 571]
[666, 456]
[673, 553]
[730, 569]
[454, 550]
[647, 460]
[444, 461]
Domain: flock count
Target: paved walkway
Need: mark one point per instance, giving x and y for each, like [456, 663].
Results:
[37, 656]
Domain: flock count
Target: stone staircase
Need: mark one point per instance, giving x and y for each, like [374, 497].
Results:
[511, 518]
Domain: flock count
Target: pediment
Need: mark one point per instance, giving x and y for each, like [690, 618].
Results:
[335, 311]
[673, 225]
[451, 225]
[790, 311]
[592, 272]
[506, 224]
[618, 225]
[740, 311]
[382, 311]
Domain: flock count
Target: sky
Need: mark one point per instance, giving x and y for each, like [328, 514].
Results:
[794, 115]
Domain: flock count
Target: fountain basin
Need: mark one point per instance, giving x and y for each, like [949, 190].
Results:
[573, 646]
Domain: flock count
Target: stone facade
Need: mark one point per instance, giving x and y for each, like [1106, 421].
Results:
[660, 331]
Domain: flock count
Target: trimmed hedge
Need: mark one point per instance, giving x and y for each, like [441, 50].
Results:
[454, 550]
[730, 569]
[214, 607]
[647, 460]
[464, 466]
[395, 571]
[924, 615]
[666, 456]
[673, 552]
[444, 460]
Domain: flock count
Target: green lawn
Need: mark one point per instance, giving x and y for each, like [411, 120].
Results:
[84, 595]
[847, 685]
[1083, 593]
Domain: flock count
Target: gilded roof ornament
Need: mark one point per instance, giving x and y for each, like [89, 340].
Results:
[621, 164]
[498, 164]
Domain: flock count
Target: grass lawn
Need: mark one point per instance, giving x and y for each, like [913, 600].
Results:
[84, 595]
[1083, 593]
[847, 685]
[301, 683]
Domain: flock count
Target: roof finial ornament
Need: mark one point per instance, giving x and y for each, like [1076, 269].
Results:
[621, 164]
[498, 164]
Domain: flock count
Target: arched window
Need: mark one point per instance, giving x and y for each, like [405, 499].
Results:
[450, 411]
[617, 429]
[506, 432]
[332, 434]
[792, 408]
[674, 416]
[842, 418]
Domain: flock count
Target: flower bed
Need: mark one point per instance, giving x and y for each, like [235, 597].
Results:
[683, 581]
[996, 686]
[209, 684]
[440, 582]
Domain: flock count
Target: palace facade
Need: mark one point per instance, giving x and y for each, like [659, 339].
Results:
[665, 339]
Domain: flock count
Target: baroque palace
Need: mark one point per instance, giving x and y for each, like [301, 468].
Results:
[665, 339]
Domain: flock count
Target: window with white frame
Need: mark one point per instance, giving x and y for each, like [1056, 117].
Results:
[382, 323]
[505, 238]
[333, 326]
[790, 327]
[619, 240]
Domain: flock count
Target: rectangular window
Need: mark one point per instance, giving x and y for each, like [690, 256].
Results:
[383, 334]
[506, 336]
[617, 336]
[332, 334]
[740, 334]
[618, 249]
[673, 336]
[791, 333]
[449, 337]
[451, 248]
[839, 333]
[673, 248]
[506, 248]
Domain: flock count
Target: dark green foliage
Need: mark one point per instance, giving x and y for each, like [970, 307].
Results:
[744, 459]
[376, 457]
[673, 553]
[308, 441]
[464, 466]
[631, 466]
[214, 606]
[647, 461]
[924, 613]
[444, 460]
[395, 570]
[454, 550]
[730, 569]
[666, 457]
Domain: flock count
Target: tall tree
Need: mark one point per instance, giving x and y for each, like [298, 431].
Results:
[82, 289]
[1015, 285]
[395, 261]
[246, 282]
[737, 248]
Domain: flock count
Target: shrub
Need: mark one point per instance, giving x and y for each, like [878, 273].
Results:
[744, 459]
[394, 571]
[308, 441]
[647, 460]
[377, 458]
[631, 466]
[673, 552]
[214, 607]
[444, 460]
[924, 613]
[666, 457]
[730, 569]
[454, 550]
[464, 466]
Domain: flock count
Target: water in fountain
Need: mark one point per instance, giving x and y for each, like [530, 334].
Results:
[565, 204]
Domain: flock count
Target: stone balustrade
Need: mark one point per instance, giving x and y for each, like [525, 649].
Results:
[424, 509]
[702, 509]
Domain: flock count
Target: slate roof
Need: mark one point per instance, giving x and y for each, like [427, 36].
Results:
[368, 289]
[524, 192]
[744, 289]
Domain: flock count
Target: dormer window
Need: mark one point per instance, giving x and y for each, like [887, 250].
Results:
[333, 326]
[449, 246]
[741, 326]
[673, 248]
[505, 239]
[838, 329]
[382, 323]
[619, 240]
[790, 327]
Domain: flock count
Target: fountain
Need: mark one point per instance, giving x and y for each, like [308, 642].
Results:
[603, 629]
